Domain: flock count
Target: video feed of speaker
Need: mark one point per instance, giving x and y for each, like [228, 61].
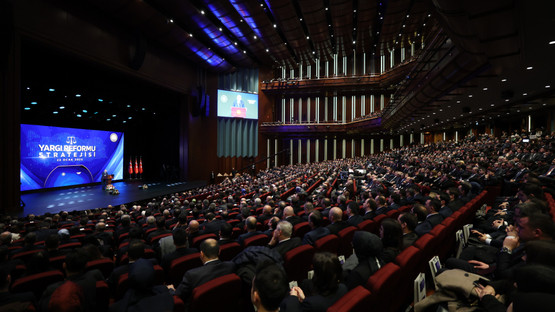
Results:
[56, 157]
[237, 104]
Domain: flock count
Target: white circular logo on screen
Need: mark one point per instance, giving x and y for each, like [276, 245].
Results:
[113, 137]
[224, 98]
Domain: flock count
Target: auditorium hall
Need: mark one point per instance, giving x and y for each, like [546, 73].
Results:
[291, 155]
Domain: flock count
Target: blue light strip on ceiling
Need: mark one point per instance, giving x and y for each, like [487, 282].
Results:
[217, 37]
[242, 10]
[228, 22]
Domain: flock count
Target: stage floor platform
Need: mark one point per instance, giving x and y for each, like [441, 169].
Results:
[90, 197]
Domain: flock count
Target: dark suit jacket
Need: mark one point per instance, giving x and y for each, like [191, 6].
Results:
[294, 220]
[242, 237]
[336, 227]
[354, 220]
[369, 215]
[212, 227]
[198, 276]
[283, 247]
[409, 239]
[428, 224]
[312, 303]
[312, 236]
[381, 210]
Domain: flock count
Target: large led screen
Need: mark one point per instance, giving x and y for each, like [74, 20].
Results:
[237, 104]
[54, 157]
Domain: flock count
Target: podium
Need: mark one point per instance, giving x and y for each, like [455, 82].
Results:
[106, 180]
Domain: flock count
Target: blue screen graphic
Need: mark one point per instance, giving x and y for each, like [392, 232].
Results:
[54, 157]
[237, 104]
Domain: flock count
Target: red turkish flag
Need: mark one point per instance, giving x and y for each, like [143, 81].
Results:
[130, 166]
[141, 165]
[136, 166]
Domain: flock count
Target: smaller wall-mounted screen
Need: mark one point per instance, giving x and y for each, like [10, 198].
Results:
[237, 104]
[54, 157]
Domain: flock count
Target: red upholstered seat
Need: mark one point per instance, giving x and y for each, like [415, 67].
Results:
[219, 294]
[297, 262]
[57, 262]
[329, 243]
[300, 229]
[411, 263]
[105, 265]
[102, 296]
[156, 238]
[368, 226]
[230, 250]
[346, 240]
[382, 284]
[357, 299]
[181, 265]
[37, 283]
[257, 240]
[178, 304]
[70, 246]
[199, 239]
[393, 214]
[24, 255]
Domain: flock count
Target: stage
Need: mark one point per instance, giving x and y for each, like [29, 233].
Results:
[92, 196]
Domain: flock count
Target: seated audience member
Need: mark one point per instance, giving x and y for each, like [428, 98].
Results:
[408, 223]
[281, 240]
[318, 231]
[250, 224]
[226, 230]
[74, 267]
[353, 217]
[336, 221]
[181, 250]
[382, 205]
[160, 228]
[290, 216]
[391, 235]
[142, 294]
[269, 287]
[212, 268]
[322, 291]
[13, 301]
[193, 230]
[368, 248]
[51, 243]
[266, 214]
[211, 225]
[135, 250]
[433, 217]
[369, 207]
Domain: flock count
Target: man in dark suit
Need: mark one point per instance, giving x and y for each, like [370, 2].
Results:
[289, 216]
[226, 230]
[336, 218]
[212, 268]
[250, 223]
[369, 207]
[266, 214]
[408, 223]
[315, 220]
[352, 212]
[160, 228]
[180, 242]
[382, 205]
[212, 225]
[432, 219]
[281, 240]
